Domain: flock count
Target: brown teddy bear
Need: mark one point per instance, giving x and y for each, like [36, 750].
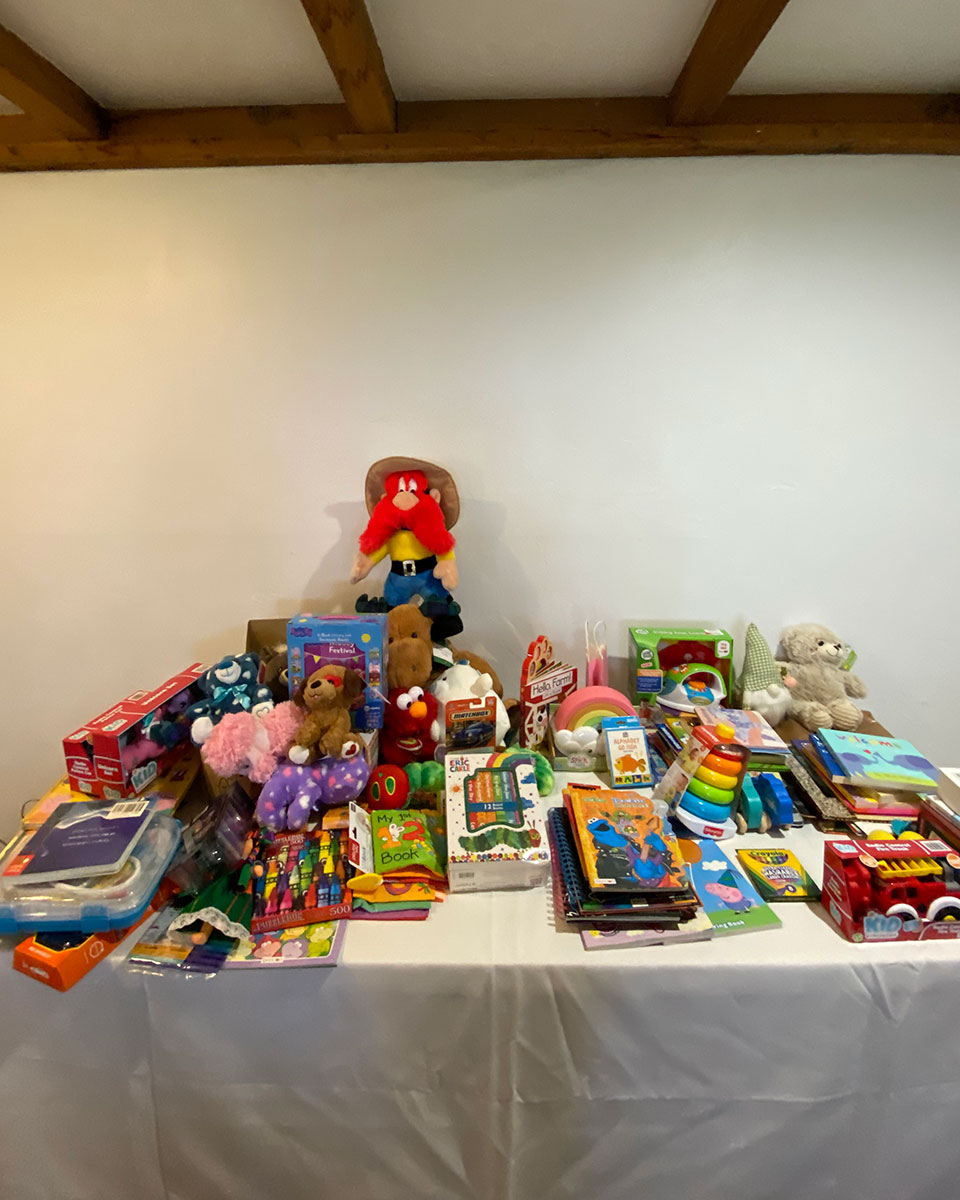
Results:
[410, 654]
[328, 694]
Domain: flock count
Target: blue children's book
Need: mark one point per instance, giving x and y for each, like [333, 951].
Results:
[79, 839]
[886, 763]
[728, 898]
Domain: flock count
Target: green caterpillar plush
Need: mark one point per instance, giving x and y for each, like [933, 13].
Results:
[541, 768]
[426, 784]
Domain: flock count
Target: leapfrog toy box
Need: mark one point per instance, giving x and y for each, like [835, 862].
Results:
[896, 890]
[656, 649]
[358, 642]
[496, 831]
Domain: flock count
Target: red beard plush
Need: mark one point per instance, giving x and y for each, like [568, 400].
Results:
[406, 736]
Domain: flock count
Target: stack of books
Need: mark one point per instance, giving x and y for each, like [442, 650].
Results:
[874, 776]
[768, 750]
[618, 871]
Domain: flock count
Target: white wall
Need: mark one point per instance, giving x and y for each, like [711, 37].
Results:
[718, 389]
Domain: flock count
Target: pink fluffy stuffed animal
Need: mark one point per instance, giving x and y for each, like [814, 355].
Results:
[243, 744]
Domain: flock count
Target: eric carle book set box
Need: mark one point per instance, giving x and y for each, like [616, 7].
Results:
[496, 828]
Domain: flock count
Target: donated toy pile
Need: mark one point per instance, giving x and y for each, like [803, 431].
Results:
[368, 767]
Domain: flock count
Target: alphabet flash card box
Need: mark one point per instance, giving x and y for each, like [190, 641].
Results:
[496, 832]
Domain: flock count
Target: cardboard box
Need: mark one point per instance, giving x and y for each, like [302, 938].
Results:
[349, 640]
[496, 830]
[896, 890]
[267, 638]
[656, 649]
[94, 753]
[166, 791]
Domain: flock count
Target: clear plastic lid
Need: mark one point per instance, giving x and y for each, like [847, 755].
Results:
[101, 902]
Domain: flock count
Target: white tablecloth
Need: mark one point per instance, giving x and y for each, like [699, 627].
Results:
[484, 1054]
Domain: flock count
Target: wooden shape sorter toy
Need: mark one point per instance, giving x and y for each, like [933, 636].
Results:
[495, 825]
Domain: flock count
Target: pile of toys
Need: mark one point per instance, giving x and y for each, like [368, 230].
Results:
[362, 765]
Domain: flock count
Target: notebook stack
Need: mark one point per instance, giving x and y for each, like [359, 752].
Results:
[618, 870]
[873, 776]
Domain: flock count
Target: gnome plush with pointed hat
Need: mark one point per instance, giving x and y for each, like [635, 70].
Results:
[762, 686]
[413, 505]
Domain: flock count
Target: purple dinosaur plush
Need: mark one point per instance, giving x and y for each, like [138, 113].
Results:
[292, 792]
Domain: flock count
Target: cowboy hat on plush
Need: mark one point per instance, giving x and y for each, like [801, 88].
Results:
[413, 505]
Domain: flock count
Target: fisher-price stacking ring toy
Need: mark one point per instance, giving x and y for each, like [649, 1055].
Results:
[577, 720]
[706, 807]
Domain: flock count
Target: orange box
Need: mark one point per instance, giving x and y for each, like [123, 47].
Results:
[61, 969]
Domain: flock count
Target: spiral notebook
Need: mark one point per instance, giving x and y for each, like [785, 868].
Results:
[582, 905]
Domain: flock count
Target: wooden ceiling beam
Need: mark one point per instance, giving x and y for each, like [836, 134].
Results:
[487, 130]
[728, 40]
[348, 40]
[44, 93]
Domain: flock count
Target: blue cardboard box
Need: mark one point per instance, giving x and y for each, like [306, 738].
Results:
[350, 640]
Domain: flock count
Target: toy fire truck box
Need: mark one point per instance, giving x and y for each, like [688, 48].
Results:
[496, 832]
[355, 641]
[656, 649]
[543, 681]
[896, 890]
[113, 756]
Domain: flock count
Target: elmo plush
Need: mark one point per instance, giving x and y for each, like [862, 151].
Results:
[410, 731]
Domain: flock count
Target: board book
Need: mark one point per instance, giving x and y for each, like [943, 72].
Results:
[778, 874]
[887, 763]
[625, 842]
[728, 898]
[496, 831]
[752, 729]
[860, 802]
[78, 840]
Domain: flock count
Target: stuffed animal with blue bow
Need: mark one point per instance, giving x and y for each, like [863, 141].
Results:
[229, 686]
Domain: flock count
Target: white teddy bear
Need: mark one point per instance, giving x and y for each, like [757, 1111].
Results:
[463, 682]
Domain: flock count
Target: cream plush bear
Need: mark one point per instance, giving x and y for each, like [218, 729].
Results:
[814, 656]
[463, 682]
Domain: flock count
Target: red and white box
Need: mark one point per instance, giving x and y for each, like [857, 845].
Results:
[94, 753]
[892, 890]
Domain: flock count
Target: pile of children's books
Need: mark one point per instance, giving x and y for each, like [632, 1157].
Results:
[624, 878]
[873, 776]
[618, 871]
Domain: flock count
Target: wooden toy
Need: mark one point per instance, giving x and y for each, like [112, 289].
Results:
[764, 803]
[543, 681]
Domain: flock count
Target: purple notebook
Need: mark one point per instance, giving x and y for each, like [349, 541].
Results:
[79, 839]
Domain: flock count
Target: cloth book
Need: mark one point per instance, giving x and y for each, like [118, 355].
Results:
[78, 840]
[887, 763]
